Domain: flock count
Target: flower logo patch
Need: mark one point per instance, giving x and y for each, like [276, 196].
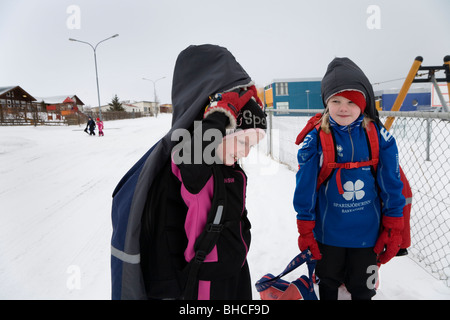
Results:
[353, 190]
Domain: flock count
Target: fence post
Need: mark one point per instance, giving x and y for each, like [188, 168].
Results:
[270, 134]
[447, 72]
[404, 90]
[427, 158]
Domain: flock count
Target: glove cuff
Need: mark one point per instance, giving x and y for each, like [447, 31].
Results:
[305, 226]
[395, 223]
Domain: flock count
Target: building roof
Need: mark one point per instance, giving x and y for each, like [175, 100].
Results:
[59, 99]
[4, 90]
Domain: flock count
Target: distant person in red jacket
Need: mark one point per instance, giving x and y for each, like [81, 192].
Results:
[100, 127]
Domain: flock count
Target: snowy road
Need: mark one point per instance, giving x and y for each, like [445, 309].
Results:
[55, 203]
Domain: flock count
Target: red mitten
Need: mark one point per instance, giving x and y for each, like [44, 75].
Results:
[306, 239]
[390, 239]
[230, 103]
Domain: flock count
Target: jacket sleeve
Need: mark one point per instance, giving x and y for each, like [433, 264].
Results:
[388, 176]
[305, 195]
[198, 152]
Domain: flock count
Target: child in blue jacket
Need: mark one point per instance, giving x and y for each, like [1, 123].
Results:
[340, 221]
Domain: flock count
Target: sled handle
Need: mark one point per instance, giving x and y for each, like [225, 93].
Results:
[301, 258]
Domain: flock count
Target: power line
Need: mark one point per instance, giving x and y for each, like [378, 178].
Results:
[418, 75]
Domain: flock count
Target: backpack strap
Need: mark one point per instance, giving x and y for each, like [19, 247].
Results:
[374, 145]
[210, 235]
[349, 165]
[329, 163]
[329, 154]
[374, 152]
[310, 125]
[328, 146]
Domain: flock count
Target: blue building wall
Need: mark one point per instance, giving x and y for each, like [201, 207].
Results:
[412, 100]
[298, 97]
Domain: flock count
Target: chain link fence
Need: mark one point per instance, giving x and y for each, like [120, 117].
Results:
[423, 140]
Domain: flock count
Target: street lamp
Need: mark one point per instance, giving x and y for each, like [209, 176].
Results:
[155, 97]
[96, 72]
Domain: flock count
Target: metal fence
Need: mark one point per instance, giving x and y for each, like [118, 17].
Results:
[423, 140]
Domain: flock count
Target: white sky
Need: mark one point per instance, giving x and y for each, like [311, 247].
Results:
[270, 39]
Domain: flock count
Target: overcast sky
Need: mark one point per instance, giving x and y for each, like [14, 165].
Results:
[271, 40]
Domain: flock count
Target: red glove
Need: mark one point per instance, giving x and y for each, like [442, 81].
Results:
[231, 103]
[390, 239]
[306, 239]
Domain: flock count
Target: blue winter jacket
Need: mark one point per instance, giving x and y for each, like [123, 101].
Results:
[351, 220]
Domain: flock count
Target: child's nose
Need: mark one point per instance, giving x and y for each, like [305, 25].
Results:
[344, 106]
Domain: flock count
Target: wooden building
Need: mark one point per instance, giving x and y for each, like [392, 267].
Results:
[15, 103]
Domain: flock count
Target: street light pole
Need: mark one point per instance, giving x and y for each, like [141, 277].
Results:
[155, 97]
[96, 71]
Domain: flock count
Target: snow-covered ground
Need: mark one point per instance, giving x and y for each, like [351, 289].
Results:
[55, 203]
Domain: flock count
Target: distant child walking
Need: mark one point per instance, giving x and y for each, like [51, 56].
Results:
[91, 125]
[100, 127]
[340, 219]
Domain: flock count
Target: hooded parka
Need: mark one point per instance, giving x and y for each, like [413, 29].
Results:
[352, 219]
[200, 71]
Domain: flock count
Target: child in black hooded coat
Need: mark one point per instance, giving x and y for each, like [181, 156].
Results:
[141, 267]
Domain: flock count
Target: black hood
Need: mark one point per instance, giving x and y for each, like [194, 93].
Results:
[343, 74]
[200, 72]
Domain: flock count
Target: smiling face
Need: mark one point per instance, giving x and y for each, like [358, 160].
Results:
[343, 110]
[238, 145]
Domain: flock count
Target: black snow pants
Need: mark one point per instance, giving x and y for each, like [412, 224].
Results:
[353, 267]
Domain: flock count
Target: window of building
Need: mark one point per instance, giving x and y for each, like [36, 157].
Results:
[282, 107]
[282, 88]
